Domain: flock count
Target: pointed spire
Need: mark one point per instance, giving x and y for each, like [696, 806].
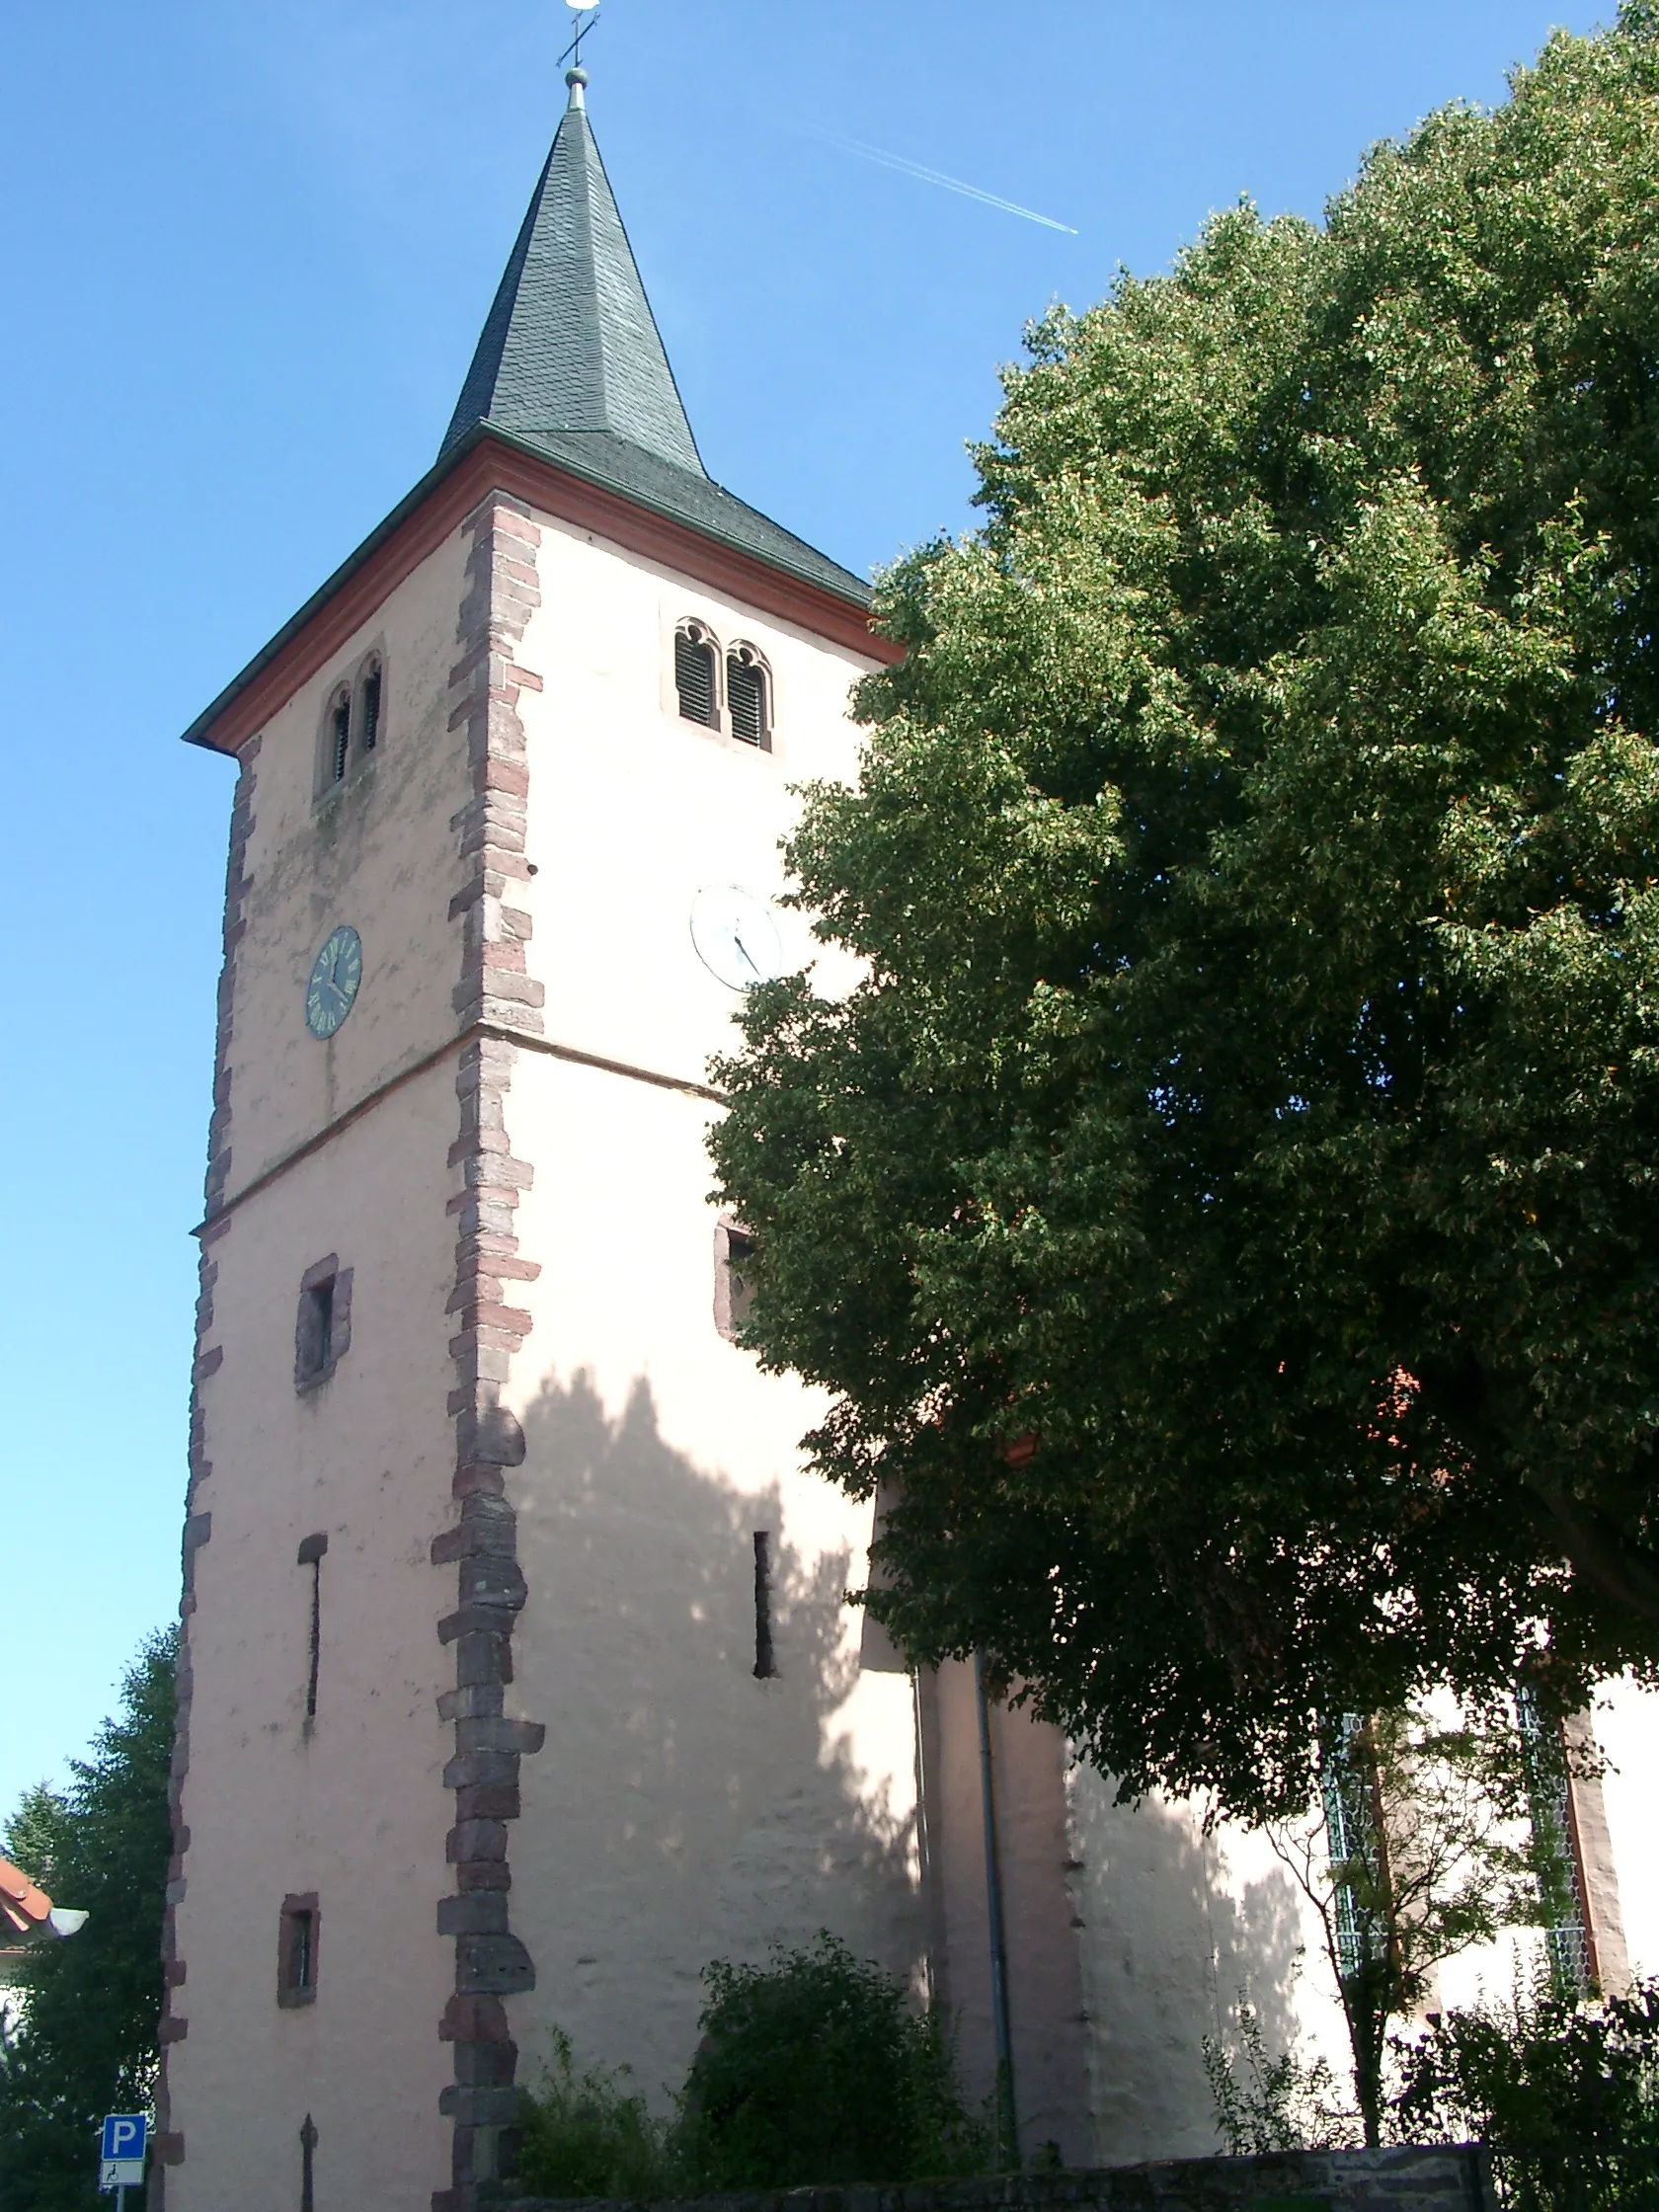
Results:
[571, 345]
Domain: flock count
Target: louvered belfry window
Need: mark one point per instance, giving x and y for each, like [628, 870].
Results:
[371, 730]
[694, 667]
[340, 728]
[745, 695]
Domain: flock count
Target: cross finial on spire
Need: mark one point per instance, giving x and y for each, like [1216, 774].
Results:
[584, 17]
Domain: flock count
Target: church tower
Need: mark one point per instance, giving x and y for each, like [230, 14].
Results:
[518, 1680]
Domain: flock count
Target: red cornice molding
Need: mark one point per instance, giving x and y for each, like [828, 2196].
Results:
[491, 466]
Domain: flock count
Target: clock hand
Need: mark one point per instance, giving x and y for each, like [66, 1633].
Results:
[737, 939]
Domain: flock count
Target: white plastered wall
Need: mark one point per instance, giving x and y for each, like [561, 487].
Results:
[353, 1806]
[1627, 1728]
[682, 1811]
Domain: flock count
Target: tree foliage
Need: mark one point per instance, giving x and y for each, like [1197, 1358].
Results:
[1265, 2103]
[86, 2043]
[592, 2134]
[1422, 1847]
[1225, 1214]
[812, 2070]
[1566, 2094]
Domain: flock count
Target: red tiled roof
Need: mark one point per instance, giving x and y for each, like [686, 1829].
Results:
[22, 1907]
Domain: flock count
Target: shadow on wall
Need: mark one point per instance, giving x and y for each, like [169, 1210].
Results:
[682, 1809]
[1174, 1925]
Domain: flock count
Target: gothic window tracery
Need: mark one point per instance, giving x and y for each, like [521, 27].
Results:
[748, 696]
[696, 674]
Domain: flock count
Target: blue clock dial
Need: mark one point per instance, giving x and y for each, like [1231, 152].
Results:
[335, 977]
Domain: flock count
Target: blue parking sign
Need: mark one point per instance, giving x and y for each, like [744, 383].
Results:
[125, 2135]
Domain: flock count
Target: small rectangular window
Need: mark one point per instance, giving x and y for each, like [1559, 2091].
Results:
[734, 1277]
[322, 1324]
[316, 1331]
[339, 730]
[296, 1957]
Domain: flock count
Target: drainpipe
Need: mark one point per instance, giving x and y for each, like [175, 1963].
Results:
[1007, 2118]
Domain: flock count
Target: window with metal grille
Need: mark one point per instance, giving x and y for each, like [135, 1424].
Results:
[368, 719]
[340, 734]
[746, 696]
[1572, 1963]
[1354, 1839]
[694, 675]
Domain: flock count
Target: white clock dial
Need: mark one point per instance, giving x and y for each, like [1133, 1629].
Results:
[735, 936]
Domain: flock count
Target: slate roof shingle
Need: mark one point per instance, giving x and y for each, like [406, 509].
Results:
[570, 366]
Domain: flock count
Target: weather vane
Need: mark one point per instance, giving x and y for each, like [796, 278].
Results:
[584, 19]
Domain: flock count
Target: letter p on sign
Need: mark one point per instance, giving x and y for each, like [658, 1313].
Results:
[124, 2135]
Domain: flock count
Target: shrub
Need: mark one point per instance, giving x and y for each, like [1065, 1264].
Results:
[587, 2135]
[1281, 2104]
[812, 2069]
[1566, 2094]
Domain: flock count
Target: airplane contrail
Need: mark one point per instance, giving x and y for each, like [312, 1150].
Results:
[928, 176]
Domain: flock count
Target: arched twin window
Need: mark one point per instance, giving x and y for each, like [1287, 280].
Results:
[741, 704]
[694, 675]
[352, 724]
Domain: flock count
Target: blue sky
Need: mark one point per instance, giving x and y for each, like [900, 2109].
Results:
[247, 247]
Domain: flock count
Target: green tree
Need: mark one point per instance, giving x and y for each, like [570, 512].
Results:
[1420, 1848]
[86, 2044]
[1225, 1213]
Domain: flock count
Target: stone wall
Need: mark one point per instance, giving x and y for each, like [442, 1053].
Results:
[1393, 2180]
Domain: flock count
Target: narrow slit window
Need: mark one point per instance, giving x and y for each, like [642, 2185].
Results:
[296, 1956]
[300, 1960]
[368, 727]
[312, 1553]
[694, 676]
[745, 698]
[340, 735]
[766, 1658]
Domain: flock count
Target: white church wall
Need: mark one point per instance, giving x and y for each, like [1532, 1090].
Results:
[1626, 1726]
[1032, 1851]
[682, 1810]
[1174, 1924]
[683, 807]
[351, 1807]
[365, 856]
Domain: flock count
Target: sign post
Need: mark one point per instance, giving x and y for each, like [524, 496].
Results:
[120, 2155]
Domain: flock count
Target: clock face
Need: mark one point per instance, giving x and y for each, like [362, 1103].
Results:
[735, 936]
[335, 977]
